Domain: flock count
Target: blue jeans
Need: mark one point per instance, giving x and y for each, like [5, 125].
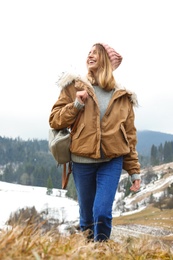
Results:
[96, 185]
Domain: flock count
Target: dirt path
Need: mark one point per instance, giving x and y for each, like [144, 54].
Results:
[120, 232]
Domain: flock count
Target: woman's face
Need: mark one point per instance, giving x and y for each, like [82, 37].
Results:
[93, 59]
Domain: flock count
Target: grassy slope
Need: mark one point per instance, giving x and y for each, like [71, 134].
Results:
[151, 216]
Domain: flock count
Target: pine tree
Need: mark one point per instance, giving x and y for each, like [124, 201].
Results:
[153, 155]
[49, 186]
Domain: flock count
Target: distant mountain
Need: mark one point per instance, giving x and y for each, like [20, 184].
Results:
[148, 138]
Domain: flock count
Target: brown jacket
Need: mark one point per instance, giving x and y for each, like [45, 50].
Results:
[115, 135]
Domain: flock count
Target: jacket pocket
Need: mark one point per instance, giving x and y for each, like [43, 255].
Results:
[78, 131]
[124, 134]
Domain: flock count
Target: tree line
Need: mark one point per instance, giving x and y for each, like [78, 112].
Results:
[161, 154]
[31, 163]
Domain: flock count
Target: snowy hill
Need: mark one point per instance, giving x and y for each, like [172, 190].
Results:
[14, 197]
[154, 182]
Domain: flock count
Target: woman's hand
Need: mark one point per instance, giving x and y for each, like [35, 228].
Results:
[82, 96]
[136, 185]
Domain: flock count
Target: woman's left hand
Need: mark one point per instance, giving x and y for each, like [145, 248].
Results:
[136, 185]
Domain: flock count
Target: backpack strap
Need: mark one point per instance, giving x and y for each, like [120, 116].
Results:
[66, 175]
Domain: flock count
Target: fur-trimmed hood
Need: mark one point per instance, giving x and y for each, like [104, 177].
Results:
[66, 78]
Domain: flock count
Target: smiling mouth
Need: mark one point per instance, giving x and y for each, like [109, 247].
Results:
[91, 62]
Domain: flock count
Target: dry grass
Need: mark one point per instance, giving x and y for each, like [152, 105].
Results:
[29, 242]
[30, 239]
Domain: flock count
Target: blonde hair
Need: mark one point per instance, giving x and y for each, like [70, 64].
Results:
[104, 75]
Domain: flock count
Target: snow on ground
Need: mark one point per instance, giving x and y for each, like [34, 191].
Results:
[153, 188]
[14, 197]
[119, 213]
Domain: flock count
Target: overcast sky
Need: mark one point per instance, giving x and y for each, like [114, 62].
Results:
[41, 38]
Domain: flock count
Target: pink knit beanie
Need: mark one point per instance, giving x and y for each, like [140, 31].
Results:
[115, 58]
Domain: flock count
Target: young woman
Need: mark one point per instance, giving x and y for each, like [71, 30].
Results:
[105, 140]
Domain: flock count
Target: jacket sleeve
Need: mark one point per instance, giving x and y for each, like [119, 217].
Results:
[63, 113]
[131, 163]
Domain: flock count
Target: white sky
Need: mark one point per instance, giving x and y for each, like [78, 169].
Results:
[41, 38]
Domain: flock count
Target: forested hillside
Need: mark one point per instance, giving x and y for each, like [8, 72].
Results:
[31, 163]
[27, 162]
